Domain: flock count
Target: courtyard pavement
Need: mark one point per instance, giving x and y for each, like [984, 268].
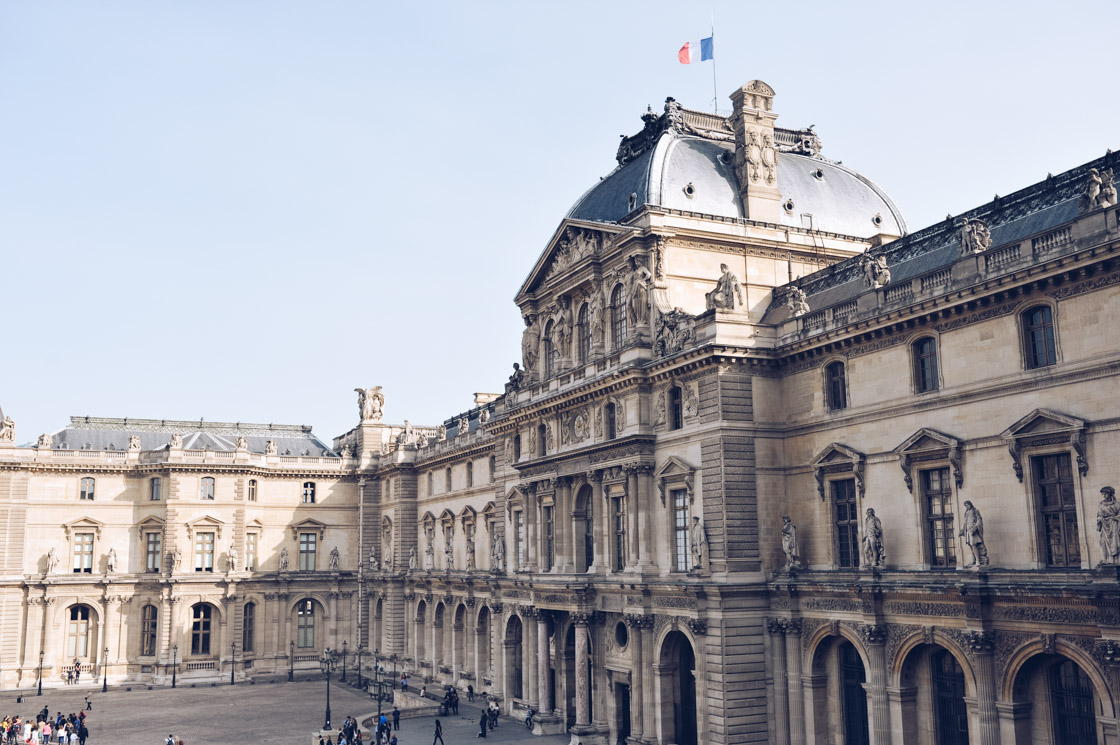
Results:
[280, 713]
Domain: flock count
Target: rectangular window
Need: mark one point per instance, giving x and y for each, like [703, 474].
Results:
[447, 478]
[681, 549]
[431, 484]
[549, 545]
[846, 522]
[925, 365]
[1038, 326]
[247, 627]
[309, 492]
[618, 522]
[86, 489]
[470, 475]
[83, 553]
[148, 631]
[153, 550]
[252, 490]
[836, 386]
[519, 533]
[251, 551]
[1053, 488]
[206, 490]
[676, 408]
[938, 496]
[305, 624]
[204, 552]
[307, 552]
[155, 489]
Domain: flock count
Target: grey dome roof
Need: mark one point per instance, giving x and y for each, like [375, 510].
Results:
[839, 199]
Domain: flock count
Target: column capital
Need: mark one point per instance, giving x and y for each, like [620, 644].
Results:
[639, 621]
[595, 476]
[983, 642]
[775, 626]
[873, 633]
[697, 626]
[793, 626]
[1109, 650]
[582, 619]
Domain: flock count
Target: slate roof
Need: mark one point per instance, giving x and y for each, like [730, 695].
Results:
[1034, 209]
[99, 433]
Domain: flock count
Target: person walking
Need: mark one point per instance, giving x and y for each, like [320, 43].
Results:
[89, 703]
[470, 693]
[483, 723]
[438, 734]
[404, 683]
[396, 718]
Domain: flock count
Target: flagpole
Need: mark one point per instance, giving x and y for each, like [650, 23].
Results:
[715, 89]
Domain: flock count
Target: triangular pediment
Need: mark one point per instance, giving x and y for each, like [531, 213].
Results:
[205, 523]
[428, 518]
[151, 522]
[674, 466]
[837, 453]
[573, 242]
[254, 523]
[925, 440]
[1041, 421]
[309, 525]
[83, 525]
[468, 513]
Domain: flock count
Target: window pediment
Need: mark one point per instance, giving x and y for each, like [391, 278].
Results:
[929, 444]
[203, 524]
[152, 522]
[309, 525]
[837, 458]
[83, 525]
[1046, 427]
[675, 471]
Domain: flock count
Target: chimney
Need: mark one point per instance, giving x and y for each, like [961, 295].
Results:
[756, 154]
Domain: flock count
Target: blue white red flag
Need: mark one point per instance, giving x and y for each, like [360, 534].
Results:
[696, 51]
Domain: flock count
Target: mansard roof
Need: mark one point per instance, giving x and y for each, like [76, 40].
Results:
[104, 433]
[1030, 211]
[684, 147]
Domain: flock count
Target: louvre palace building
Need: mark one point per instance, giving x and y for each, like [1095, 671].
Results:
[771, 468]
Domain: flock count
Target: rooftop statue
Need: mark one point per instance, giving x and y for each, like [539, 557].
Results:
[975, 237]
[637, 293]
[727, 291]
[7, 429]
[370, 403]
[797, 302]
[875, 271]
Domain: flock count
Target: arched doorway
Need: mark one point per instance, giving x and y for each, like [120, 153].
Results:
[853, 698]
[932, 689]
[378, 625]
[584, 529]
[421, 614]
[483, 662]
[676, 677]
[81, 633]
[1057, 689]
[513, 639]
[202, 632]
[458, 646]
[438, 650]
[947, 678]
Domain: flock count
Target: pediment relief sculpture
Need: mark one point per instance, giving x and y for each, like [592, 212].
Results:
[675, 331]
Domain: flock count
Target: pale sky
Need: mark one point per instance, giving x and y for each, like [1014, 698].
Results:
[243, 210]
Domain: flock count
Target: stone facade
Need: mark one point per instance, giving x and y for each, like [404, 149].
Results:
[604, 542]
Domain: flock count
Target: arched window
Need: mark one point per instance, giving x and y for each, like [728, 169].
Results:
[206, 490]
[1038, 337]
[609, 421]
[148, 630]
[87, 489]
[309, 492]
[252, 490]
[1071, 705]
[551, 354]
[583, 329]
[516, 448]
[676, 408]
[542, 437]
[249, 621]
[78, 632]
[200, 629]
[305, 624]
[618, 317]
[836, 386]
[925, 364]
[447, 477]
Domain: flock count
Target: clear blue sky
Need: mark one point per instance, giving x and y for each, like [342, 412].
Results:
[242, 210]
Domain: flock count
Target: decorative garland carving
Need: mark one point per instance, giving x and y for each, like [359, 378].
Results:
[919, 608]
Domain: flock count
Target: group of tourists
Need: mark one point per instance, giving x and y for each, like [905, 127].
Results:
[43, 730]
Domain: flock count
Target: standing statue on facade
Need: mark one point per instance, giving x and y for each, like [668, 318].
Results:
[429, 555]
[973, 533]
[370, 402]
[231, 558]
[789, 543]
[562, 327]
[176, 559]
[1108, 525]
[875, 271]
[699, 541]
[448, 556]
[412, 557]
[597, 315]
[530, 343]
[284, 559]
[637, 294]
[873, 553]
[52, 561]
[517, 379]
[470, 553]
[727, 291]
[498, 554]
[7, 429]
[111, 561]
[333, 564]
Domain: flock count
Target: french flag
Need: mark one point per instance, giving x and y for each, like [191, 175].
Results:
[696, 51]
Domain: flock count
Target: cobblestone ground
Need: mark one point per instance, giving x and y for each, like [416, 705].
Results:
[279, 713]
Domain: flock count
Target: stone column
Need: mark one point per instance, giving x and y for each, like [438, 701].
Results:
[530, 516]
[563, 520]
[598, 507]
[637, 662]
[333, 623]
[982, 644]
[793, 665]
[174, 631]
[497, 634]
[875, 637]
[645, 513]
[632, 550]
[583, 679]
[52, 660]
[815, 690]
[530, 685]
[903, 711]
[544, 674]
[649, 710]
[776, 626]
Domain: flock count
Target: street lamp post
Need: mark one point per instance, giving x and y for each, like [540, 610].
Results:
[393, 682]
[291, 661]
[343, 678]
[361, 649]
[174, 662]
[233, 662]
[327, 664]
[40, 693]
[105, 671]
